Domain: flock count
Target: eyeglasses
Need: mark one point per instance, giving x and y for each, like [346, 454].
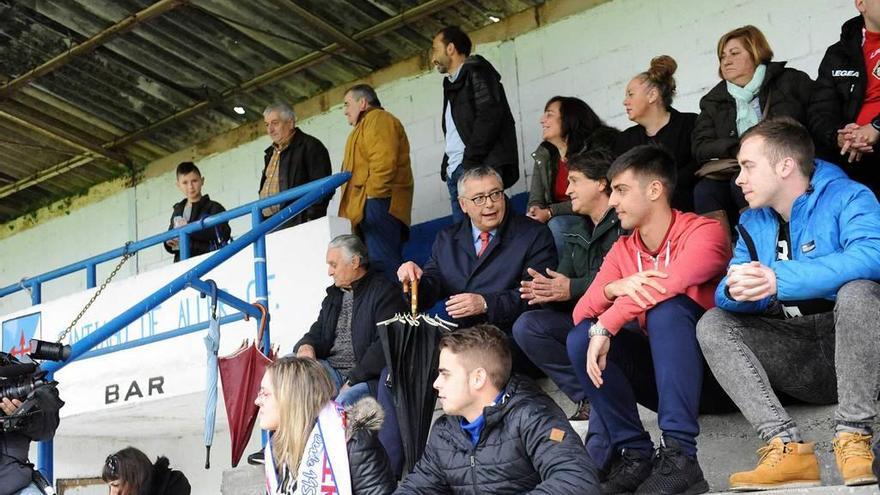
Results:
[112, 465]
[480, 200]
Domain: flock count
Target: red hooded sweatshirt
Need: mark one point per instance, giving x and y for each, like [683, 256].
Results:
[694, 254]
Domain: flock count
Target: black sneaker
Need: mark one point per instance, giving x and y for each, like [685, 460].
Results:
[626, 472]
[582, 413]
[256, 459]
[674, 473]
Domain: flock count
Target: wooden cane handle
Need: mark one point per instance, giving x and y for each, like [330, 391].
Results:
[414, 296]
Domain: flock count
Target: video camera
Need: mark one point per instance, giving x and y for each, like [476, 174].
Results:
[21, 378]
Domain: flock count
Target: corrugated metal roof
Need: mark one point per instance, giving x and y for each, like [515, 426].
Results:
[90, 92]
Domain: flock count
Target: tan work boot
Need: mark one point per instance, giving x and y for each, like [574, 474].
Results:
[854, 458]
[782, 465]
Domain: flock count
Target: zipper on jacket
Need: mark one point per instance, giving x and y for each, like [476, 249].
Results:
[474, 470]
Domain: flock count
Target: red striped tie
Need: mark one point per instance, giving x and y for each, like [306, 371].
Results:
[484, 243]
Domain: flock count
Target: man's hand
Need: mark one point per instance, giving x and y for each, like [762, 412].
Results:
[857, 140]
[750, 282]
[538, 213]
[408, 272]
[634, 287]
[174, 244]
[541, 289]
[466, 304]
[306, 351]
[597, 355]
[9, 406]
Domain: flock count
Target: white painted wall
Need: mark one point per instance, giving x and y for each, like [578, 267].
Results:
[591, 55]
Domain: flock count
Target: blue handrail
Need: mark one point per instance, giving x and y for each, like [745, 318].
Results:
[306, 195]
[89, 264]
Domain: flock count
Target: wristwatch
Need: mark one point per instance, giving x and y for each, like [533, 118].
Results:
[598, 329]
[876, 124]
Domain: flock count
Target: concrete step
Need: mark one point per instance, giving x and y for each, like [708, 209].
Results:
[728, 443]
[243, 480]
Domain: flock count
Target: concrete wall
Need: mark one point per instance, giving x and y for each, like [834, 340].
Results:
[591, 55]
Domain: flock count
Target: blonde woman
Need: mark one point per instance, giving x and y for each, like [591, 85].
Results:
[317, 445]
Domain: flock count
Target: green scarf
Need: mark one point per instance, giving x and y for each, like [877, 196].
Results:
[746, 117]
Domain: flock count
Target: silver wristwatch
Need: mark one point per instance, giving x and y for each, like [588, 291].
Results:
[598, 329]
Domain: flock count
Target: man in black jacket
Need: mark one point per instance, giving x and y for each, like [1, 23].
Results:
[295, 158]
[192, 208]
[344, 337]
[499, 434]
[477, 121]
[845, 105]
[16, 473]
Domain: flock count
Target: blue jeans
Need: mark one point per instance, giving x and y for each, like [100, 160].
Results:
[452, 185]
[383, 234]
[559, 226]
[662, 370]
[541, 334]
[354, 392]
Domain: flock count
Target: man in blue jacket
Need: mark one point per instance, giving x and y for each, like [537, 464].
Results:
[799, 308]
[477, 265]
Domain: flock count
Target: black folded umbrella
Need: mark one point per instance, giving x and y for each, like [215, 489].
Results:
[411, 347]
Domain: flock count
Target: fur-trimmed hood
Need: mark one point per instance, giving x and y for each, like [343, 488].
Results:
[166, 481]
[365, 414]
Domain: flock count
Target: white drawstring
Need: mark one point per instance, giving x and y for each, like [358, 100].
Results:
[655, 258]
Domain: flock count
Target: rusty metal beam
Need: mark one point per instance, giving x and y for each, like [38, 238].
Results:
[291, 67]
[271, 76]
[155, 10]
[72, 141]
[328, 29]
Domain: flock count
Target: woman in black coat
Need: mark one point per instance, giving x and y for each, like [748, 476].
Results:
[752, 88]
[130, 472]
[648, 103]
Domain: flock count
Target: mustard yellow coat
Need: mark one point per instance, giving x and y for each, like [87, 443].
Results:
[377, 155]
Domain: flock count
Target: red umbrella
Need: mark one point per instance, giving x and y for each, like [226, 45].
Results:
[240, 374]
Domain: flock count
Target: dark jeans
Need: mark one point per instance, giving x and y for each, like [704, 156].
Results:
[662, 370]
[384, 235]
[819, 359]
[542, 334]
[713, 195]
[452, 185]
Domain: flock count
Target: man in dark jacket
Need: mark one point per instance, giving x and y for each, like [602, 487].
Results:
[500, 434]
[16, 473]
[542, 334]
[294, 159]
[845, 105]
[344, 337]
[478, 264]
[192, 208]
[477, 121]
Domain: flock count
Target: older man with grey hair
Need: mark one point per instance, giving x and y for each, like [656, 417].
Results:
[344, 338]
[294, 158]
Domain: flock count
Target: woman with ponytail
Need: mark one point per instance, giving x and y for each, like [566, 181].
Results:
[316, 445]
[648, 103]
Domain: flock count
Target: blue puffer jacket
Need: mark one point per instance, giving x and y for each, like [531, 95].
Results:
[835, 238]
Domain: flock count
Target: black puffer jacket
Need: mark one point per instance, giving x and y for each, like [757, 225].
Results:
[202, 241]
[375, 299]
[715, 135]
[370, 470]
[166, 481]
[840, 87]
[483, 119]
[527, 446]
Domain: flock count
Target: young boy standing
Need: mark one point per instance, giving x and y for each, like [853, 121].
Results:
[192, 208]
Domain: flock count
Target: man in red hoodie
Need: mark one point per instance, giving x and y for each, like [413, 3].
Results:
[635, 334]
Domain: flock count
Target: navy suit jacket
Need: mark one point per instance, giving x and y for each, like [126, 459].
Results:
[454, 268]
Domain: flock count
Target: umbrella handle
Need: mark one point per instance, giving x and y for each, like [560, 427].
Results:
[263, 321]
[207, 457]
[414, 296]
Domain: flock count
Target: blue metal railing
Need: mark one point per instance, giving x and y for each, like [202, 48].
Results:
[303, 196]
